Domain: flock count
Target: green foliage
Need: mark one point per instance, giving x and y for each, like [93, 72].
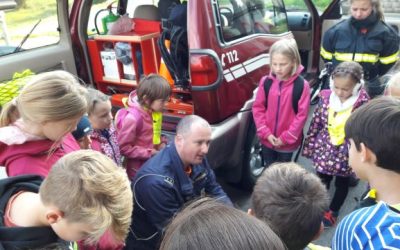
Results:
[99, 1]
[322, 4]
[42, 9]
[22, 19]
[300, 5]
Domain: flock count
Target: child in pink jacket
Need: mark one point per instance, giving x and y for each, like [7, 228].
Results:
[279, 126]
[34, 125]
[135, 127]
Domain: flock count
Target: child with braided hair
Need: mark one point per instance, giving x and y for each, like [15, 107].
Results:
[325, 143]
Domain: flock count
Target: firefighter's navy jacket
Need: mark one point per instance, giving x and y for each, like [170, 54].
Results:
[161, 187]
[370, 42]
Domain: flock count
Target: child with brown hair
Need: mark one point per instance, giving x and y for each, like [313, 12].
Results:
[373, 132]
[207, 224]
[292, 201]
[135, 127]
[325, 143]
[83, 196]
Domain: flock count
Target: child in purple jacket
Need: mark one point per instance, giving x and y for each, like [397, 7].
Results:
[104, 136]
[325, 143]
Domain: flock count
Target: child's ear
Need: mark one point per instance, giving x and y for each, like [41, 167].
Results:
[320, 231]
[367, 155]
[54, 215]
[146, 100]
[250, 212]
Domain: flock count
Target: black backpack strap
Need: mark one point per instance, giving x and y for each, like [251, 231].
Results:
[267, 86]
[296, 95]
[297, 92]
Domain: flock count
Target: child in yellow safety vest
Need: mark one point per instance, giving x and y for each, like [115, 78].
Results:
[139, 125]
[325, 143]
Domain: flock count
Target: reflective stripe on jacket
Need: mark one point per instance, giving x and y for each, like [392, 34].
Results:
[375, 48]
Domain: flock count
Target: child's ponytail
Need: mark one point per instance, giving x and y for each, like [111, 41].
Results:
[9, 113]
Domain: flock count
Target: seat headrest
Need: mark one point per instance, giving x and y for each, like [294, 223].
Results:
[147, 12]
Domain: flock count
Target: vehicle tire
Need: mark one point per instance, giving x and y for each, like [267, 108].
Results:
[253, 164]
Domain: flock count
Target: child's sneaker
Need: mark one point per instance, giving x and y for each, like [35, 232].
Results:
[330, 218]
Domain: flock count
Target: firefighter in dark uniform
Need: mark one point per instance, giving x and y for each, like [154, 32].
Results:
[366, 39]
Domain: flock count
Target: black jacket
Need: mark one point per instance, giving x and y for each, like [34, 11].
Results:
[165, 6]
[370, 42]
[23, 237]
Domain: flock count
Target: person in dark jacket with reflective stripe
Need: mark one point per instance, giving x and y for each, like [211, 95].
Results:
[177, 174]
[366, 39]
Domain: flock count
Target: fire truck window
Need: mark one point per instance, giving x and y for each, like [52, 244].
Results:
[99, 12]
[240, 18]
[28, 25]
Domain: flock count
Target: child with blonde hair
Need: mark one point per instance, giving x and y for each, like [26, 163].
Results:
[135, 127]
[34, 124]
[104, 136]
[83, 196]
[325, 143]
[282, 102]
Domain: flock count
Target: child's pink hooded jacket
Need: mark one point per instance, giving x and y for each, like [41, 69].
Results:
[135, 136]
[22, 153]
[279, 118]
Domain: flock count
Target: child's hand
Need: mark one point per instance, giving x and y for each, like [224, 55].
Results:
[160, 146]
[279, 142]
[272, 139]
[154, 151]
